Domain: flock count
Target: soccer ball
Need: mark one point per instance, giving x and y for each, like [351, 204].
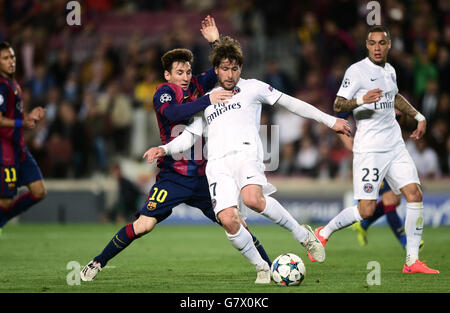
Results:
[288, 270]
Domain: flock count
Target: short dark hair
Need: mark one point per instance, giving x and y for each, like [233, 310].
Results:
[228, 48]
[378, 29]
[4, 45]
[176, 55]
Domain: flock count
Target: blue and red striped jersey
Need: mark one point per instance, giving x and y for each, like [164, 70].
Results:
[12, 143]
[174, 107]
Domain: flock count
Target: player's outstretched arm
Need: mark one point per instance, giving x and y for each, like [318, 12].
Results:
[306, 110]
[209, 30]
[405, 107]
[181, 143]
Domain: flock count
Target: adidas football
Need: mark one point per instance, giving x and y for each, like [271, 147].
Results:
[288, 270]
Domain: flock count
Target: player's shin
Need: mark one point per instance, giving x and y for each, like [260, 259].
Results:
[243, 242]
[345, 218]
[279, 215]
[262, 252]
[122, 239]
[395, 223]
[413, 229]
[20, 205]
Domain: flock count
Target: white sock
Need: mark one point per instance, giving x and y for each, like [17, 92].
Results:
[345, 218]
[275, 212]
[243, 242]
[413, 230]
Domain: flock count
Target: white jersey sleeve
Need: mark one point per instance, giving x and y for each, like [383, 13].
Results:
[266, 93]
[196, 125]
[350, 84]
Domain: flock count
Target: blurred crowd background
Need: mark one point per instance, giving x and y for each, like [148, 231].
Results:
[97, 80]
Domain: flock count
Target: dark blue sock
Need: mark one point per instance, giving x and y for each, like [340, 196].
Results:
[260, 249]
[20, 205]
[120, 241]
[396, 225]
[379, 211]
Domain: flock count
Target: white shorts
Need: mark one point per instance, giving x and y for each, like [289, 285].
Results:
[370, 168]
[228, 175]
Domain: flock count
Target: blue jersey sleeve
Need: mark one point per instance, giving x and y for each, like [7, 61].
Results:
[344, 115]
[166, 103]
[207, 79]
[4, 92]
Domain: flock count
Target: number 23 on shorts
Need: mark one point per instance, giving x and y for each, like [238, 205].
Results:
[375, 174]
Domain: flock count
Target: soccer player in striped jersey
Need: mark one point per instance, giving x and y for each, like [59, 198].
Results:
[17, 165]
[235, 168]
[179, 180]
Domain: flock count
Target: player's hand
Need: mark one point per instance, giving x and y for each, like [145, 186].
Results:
[220, 95]
[209, 29]
[342, 127]
[373, 95]
[420, 130]
[154, 153]
[29, 122]
[37, 113]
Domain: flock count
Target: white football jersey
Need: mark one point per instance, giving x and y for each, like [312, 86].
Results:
[377, 130]
[234, 126]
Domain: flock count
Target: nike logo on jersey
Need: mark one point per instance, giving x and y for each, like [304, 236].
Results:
[372, 79]
[248, 177]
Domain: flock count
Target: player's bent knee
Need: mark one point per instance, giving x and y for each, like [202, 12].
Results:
[38, 189]
[229, 218]
[254, 201]
[366, 209]
[144, 224]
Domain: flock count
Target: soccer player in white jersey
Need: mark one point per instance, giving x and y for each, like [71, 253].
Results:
[369, 89]
[235, 168]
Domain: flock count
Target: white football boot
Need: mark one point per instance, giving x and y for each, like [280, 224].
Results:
[263, 275]
[313, 245]
[91, 270]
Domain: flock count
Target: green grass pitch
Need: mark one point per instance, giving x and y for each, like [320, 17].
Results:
[199, 259]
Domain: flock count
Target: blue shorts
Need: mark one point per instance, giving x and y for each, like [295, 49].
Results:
[172, 189]
[384, 187]
[19, 174]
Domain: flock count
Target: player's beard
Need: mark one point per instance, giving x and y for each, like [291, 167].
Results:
[230, 86]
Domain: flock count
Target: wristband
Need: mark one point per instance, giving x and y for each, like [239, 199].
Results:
[359, 100]
[419, 117]
[18, 123]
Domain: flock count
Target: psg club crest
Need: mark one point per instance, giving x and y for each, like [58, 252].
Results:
[393, 77]
[236, 90]
[368, 188]
[213, 203]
